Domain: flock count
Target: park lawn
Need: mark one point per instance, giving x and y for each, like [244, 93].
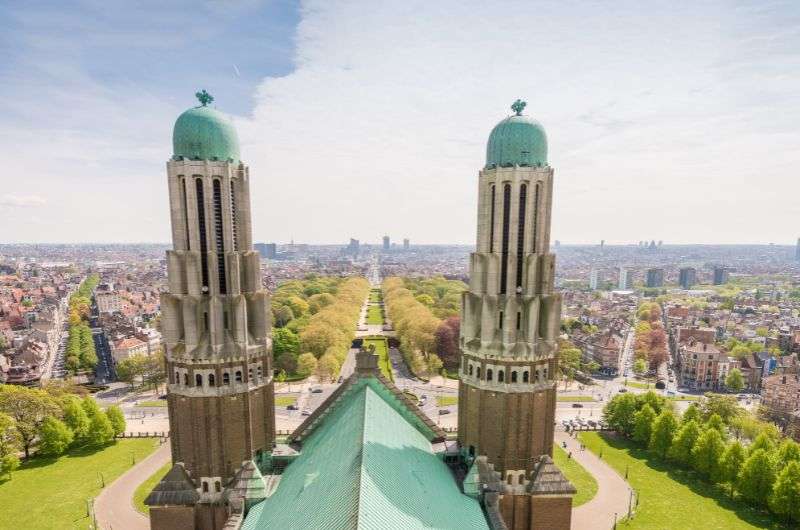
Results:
[374, 314]
[670, 497]
[580, 478]
[154, 403]
[51, 493]
[375, 296]
[637, 384]
[382, 351]
[575, 398]
[146, 487]
[683, 398]
[446, 401]
[285, 401]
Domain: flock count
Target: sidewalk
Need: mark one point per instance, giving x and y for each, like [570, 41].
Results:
[114, 506]
[613, 493]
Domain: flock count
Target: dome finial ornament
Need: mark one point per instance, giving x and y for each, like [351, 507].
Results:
[518, 106]
[205, 98]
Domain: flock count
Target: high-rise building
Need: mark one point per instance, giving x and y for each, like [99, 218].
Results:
[687, 277]
[625, 279]
[594, 278]
[720, 275]
[406, 244]
[510, 326]
[797, 250]
[655, 278]
[216, 328]
[267, 250]
[354, 246]
[386, 243]
[602, 243]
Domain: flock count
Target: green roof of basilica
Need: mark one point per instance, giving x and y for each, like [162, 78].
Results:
[367, 465]
[517, 140]
[204, 133]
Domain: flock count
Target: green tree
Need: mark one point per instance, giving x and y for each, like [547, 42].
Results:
[643, 424]
[129, 370]
[682, 445]
[282, 315]
[285, 340]
[100, 429]
[306, 364]
[76, 418]
[619, 413]
[757, 477]
[735, 380]
[788, 451]
[692, 413]
[725, 406]
[762, 441]
[785, 499]
[117, 419]
[639, 366]
[9, 445]
[731, 463]
[287, 362]
[707, 453]
[298, 306]
[663, 431]
[715, 422]
[54, 436]
[28, 407]
[327, 367]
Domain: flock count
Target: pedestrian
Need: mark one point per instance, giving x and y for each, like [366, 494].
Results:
[569, 456]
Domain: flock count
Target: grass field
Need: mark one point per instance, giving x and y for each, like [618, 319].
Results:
[684, 398]
[51, 493]
[154, 403]
[285, 401]
[146, 487]
[637, 384]
[375, 296]
[446, 401]
[382, 351]
[374, 314]
[580, 478]
[670, 497]
[575, 398]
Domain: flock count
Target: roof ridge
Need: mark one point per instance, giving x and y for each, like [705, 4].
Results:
[360, 457]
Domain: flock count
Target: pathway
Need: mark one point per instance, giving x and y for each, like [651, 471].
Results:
[114, 506]
[613, 493]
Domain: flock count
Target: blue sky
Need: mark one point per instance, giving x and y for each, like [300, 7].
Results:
[665, 122]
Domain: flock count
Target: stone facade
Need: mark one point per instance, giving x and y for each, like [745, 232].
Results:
[510, 319]
[216, 334]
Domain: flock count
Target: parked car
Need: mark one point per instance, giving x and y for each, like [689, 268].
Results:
[623, 390]
[291, 407]
[444, 411]
[305, 412]
[316, 391]
[592, 423]
[577, 406]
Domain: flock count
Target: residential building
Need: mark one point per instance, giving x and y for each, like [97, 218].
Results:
[386, 243]
[267, 250]
[703, 366]
[594, 278]
[781, 392]
[720, 275]
[625, 279]
[108, 302]
[128, 347]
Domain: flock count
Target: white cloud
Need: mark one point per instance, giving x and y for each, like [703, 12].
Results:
[22, 201]
[665, 123]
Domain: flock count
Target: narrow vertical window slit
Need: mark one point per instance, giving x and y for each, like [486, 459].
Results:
[201, 224]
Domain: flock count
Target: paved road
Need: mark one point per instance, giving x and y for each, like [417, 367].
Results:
[613, 493]
[114, 506]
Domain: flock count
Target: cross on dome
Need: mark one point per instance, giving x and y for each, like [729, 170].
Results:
[518, 106]
[205, 98]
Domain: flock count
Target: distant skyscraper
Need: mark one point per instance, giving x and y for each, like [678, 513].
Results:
[603, 243]
[687, 277]
[354, 246]
[387, 244]
[406, 244]
[594, 277]
[625, 279]
[720, 275]
[655, 278]
[797, 250]
[267, 250]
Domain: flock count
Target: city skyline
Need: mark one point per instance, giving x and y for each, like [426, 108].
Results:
[663, 143]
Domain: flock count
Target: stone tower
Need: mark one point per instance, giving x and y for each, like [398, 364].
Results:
[215, 325]
[510, 314]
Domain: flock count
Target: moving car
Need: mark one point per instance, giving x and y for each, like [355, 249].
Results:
[316, 391]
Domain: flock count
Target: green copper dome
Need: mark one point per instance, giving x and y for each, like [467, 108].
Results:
[203, 133]
[517, 140]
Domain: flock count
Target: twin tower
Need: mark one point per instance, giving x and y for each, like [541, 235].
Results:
[216, 327]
